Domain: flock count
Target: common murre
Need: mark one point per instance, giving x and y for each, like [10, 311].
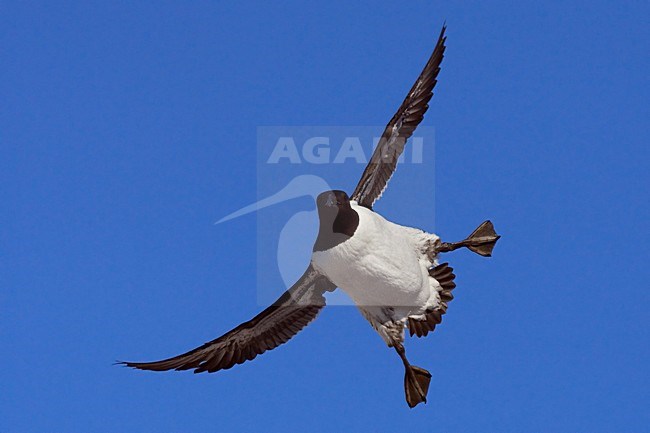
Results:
[390, 271]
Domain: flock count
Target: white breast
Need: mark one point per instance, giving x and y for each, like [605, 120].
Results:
[380, 265]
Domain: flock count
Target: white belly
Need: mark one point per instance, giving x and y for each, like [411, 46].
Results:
[380, 265]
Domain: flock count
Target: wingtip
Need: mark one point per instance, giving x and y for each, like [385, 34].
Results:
[442, 39]
[129, 364]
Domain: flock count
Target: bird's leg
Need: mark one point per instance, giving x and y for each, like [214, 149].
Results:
[481, 241]
[416, 380]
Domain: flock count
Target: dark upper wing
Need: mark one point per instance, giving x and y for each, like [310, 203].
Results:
[272, 327]
[399, 129]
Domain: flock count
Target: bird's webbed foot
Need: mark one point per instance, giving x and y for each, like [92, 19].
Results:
[481, 241]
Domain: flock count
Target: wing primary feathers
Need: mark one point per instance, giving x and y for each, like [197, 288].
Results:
[274, 326]
[383, 162]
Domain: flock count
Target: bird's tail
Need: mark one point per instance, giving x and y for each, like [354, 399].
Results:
[416, 385]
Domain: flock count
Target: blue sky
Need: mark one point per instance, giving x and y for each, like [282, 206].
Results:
[127, 129]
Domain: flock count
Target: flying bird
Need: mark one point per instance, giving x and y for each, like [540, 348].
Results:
[391, 272]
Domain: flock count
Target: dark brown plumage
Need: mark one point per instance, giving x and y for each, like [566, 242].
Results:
[391, 144]
[272, 327]
[444, 274]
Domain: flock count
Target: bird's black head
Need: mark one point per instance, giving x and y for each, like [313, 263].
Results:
[334, 200]
[338, 221]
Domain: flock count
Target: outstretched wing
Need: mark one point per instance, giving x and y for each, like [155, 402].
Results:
[384, 160]
[272, 327]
